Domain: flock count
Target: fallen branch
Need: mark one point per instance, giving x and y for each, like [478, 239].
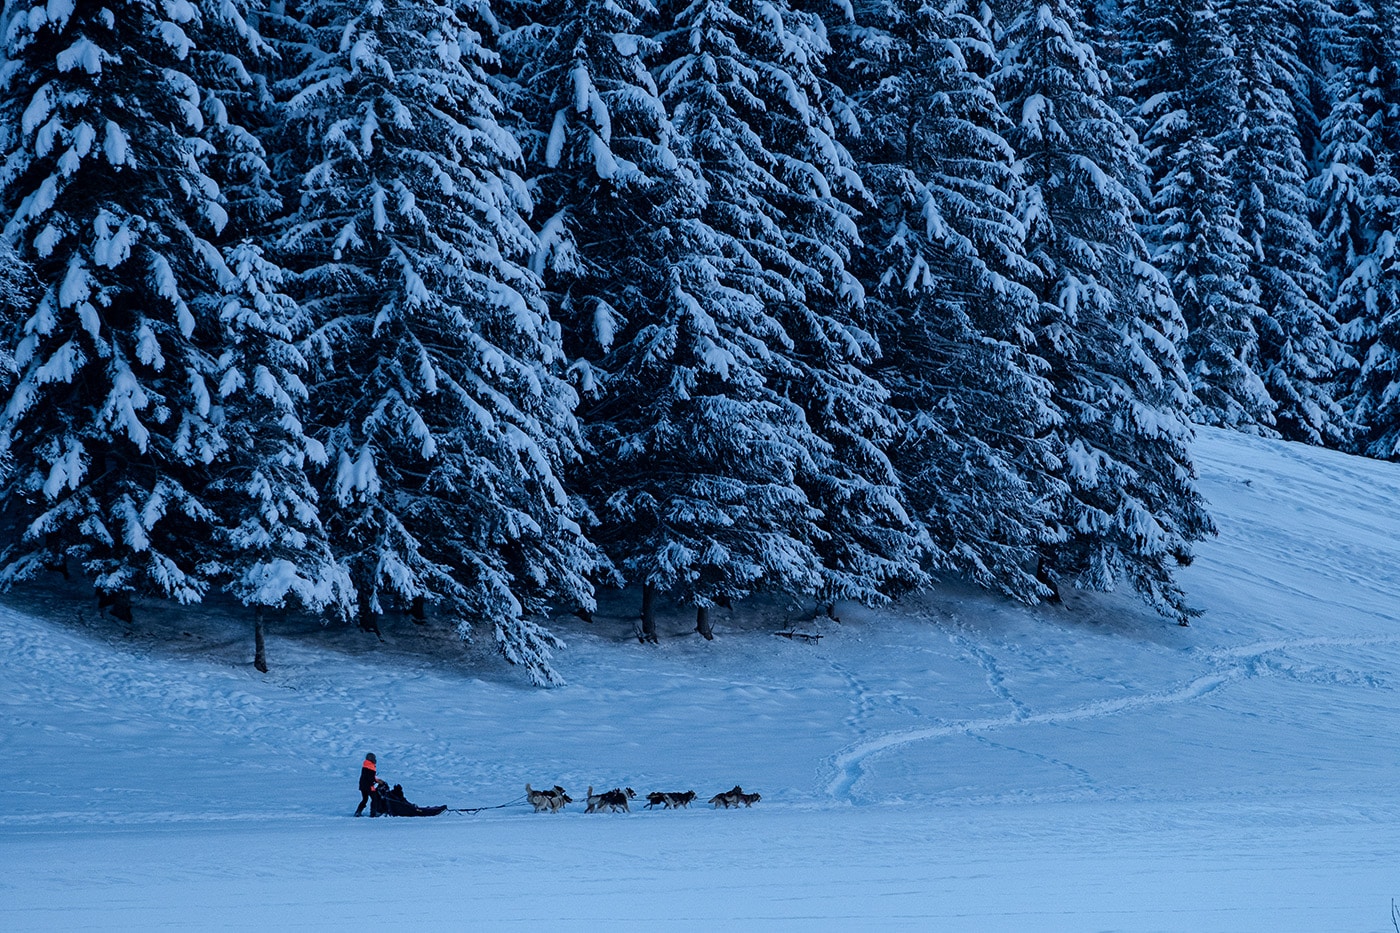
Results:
[805, 636]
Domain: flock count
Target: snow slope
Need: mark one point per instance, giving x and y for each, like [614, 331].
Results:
[956, 762]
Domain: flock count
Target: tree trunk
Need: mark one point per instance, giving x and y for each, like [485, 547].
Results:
[703, 624]
[368, 620]
[56, 561]
[117, 602]
[648, 615]
[259, 648]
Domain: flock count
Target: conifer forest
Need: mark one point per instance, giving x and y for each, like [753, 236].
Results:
[471, 309]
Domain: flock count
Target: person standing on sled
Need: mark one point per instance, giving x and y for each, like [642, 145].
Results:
[367, 776]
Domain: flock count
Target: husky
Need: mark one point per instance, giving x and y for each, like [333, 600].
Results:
[732, 798]
[726, 798]
[547, 800]
[616, 800]
[594, 801]
[670, 801]
[612, 800]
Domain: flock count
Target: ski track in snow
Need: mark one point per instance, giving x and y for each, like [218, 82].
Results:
[996, 678]
[850, 764]
[1231, 665]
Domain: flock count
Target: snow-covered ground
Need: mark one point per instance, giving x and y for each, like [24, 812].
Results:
[956, 762]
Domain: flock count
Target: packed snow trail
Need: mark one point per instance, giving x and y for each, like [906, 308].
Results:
[849, 763]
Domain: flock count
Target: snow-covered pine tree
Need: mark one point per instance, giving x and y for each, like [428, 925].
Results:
[694, 481]
[948, 281]
[599, 153]
[438, 386]
[1200, 249]
[1186, 83]
[601, 159]
[1299, 349]
[1315, 23]
[14, 277]
[746, 82]
[623, 241]
[274, 549]
[231, 61]
[1358, 201]
[1374, 284]
[1109, 325]
[15, 283]
[699, 482]
[604, 162]
[287, 47]
[1108, 29]
[1361, 96]
[108, 431]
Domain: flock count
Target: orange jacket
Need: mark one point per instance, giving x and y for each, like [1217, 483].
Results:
[367, 777]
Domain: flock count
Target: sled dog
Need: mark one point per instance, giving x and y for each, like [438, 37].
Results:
[726, 798]
[547, 800]
[670, 801]
[735, 797]
[616, 800]
[612, 800]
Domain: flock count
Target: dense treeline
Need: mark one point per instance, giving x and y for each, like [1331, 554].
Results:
[473, 306]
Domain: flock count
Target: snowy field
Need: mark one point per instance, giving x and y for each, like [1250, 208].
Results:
[953, 763]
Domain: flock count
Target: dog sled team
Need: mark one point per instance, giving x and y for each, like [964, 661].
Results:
[384, 800]
[615, 801]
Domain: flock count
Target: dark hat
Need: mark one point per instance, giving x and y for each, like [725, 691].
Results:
[370, 757]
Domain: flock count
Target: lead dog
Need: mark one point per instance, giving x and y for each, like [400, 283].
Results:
[726, 798]
[670, 801]
[734, 797]
[551, 800]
